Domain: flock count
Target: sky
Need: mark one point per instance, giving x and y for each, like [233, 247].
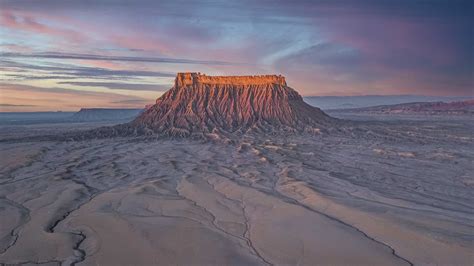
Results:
[65, 54]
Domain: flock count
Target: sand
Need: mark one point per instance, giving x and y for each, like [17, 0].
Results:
[385, 193]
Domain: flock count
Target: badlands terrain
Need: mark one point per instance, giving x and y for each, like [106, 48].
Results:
[368, 191]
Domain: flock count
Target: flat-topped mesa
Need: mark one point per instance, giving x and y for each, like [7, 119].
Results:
[199, 105]
[191, 78]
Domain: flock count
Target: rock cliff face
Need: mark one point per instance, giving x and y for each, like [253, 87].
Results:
[198, 104]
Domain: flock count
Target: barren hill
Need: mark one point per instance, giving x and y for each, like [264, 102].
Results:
[200, 104]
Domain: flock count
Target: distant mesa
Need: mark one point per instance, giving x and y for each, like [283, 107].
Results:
[199, 105]
[105, 114]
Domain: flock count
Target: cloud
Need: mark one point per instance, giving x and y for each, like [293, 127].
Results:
[28, 88]
[18, 77]
[15, 105]
[249, 8]
[334, 69]
[72, 56]
[338, 46]
[28, 23]
[23, 71]
[119, 86]
[375, 54]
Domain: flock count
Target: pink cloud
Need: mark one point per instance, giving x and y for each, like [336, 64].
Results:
[376, 37]
[28, 23]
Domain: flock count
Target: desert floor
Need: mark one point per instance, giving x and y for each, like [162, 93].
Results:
[382, 192]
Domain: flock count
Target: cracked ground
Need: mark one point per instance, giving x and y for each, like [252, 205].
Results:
[386, 193]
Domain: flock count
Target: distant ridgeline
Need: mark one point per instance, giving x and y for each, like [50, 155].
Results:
[425, 108]
[105, 114]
